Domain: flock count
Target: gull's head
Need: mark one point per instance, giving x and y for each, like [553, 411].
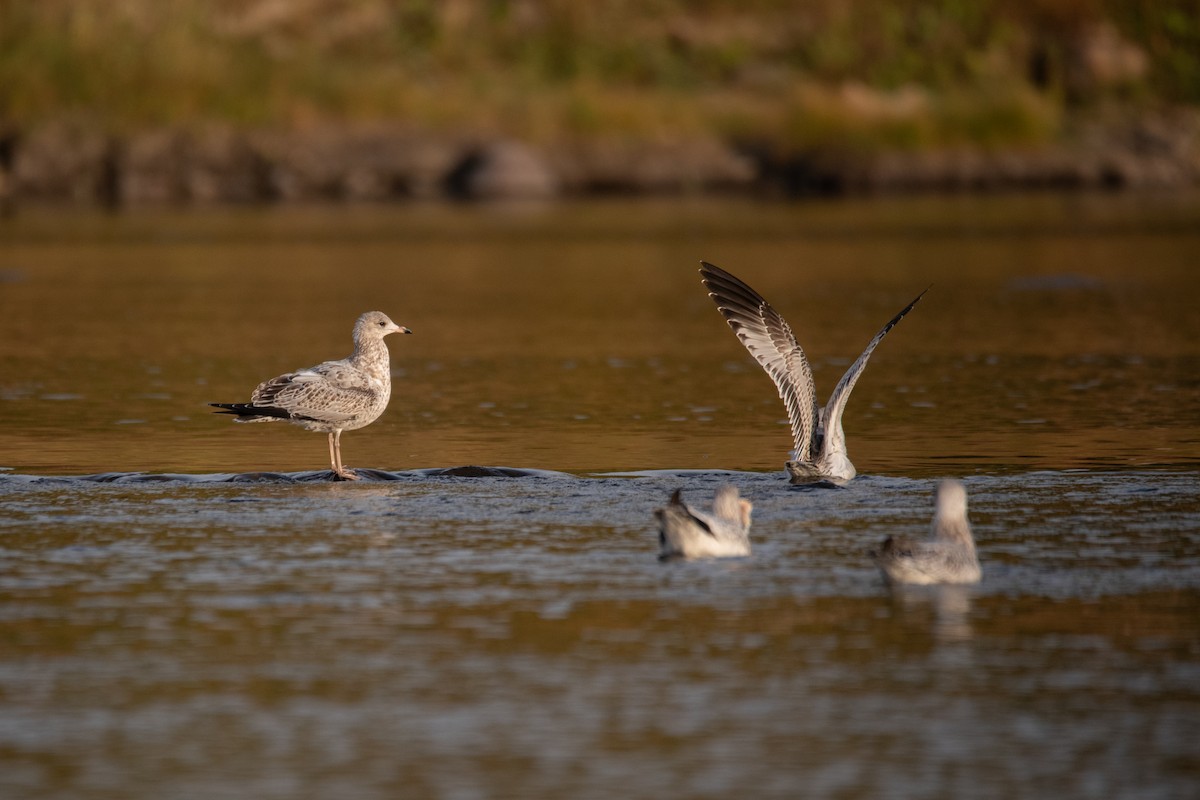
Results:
[376, 325]
[728, 505]
[951, 499]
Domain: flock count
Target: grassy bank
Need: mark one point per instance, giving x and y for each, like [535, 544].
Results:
[859, 74]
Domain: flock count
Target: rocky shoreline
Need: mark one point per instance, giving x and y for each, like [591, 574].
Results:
[65, 162]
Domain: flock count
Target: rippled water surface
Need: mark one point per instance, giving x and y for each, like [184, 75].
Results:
[190, 609]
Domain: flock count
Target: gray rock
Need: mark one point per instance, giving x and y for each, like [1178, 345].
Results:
[64, 161]
[504, 169]
[366, 164]
[627, 165]
[151, 167]
[222, 167]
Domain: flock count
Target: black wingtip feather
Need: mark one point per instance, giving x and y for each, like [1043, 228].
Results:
[904, 311]
[729, 290]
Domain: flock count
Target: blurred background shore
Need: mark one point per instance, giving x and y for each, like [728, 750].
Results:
[196, 101]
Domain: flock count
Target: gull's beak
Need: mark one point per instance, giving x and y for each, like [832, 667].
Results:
[402, 329]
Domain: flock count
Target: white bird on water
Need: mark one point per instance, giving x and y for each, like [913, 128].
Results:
[331, 397]
[949, 557]
[820, 444]
[685, 532]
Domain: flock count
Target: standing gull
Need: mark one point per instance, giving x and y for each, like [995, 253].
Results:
[331, 397]
[820, 444]
[685, 532]
[947, 558]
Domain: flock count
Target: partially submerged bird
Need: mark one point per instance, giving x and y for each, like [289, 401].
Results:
[820, 444]
[949, 557]
[685, 532]
[331, 397]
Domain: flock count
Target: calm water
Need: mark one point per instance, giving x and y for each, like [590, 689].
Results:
[172, 625]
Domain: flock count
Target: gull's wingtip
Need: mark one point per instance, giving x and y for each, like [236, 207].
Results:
[899, 316]
[917, 299]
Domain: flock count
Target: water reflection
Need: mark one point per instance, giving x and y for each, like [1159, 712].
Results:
[943, 609]
[155, 626]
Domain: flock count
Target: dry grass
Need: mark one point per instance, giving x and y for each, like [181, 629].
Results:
[857, 73]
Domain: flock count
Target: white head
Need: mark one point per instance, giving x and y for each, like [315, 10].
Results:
[728, 505]
[950, 513]
[951, 498]
[375, 325]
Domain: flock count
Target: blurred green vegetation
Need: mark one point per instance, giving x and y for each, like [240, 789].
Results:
[858, 73]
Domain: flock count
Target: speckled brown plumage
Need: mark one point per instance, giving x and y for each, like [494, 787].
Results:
[333, 396]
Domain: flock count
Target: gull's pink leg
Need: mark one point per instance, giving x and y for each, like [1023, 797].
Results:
[338, 469]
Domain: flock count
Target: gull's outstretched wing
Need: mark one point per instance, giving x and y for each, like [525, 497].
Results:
[770, 340]
[831, 415]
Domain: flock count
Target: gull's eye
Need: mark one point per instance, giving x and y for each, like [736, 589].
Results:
[383, 324]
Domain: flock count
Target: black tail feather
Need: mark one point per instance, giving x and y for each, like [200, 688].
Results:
[248, 410]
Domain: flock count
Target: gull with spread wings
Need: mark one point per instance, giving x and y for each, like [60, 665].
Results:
[820, 444]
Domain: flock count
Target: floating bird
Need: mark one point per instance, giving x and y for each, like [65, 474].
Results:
[331, 397]
[949, 557]
[820, 444]
[687, 533]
